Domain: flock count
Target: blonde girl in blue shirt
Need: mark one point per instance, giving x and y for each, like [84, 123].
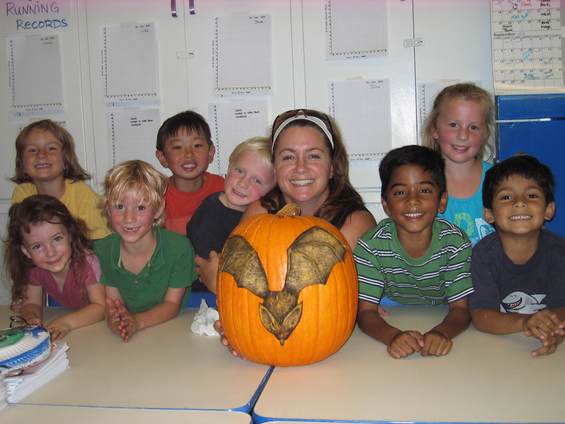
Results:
[459, 127]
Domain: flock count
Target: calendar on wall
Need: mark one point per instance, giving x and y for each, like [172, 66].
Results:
[528, 45]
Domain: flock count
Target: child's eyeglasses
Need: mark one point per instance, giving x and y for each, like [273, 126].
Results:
[17, 321]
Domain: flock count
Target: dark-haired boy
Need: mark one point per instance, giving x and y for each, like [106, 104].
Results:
[412, 257]
[519, 271]
[184, 145]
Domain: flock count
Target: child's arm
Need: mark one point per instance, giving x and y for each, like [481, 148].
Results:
[496, 322]
[207, 270]
[545, 323]
[32, 308]
[162, 312]
[91, 313]
[548, 326]
[538, 325]
[400, 343]
[437, 341]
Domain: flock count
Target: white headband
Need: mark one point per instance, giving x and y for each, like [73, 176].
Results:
[301, 116]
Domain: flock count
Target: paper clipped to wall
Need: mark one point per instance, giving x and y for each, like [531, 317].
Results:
[234, 122]
[356, 29]
[362, 110]
[35, 75]
[527, 45]
[130, 68]
[132, 134]
[242, 55]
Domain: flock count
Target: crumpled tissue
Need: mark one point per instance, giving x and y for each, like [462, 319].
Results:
[203, 323]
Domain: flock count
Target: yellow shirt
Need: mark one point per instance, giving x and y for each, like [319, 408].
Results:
[81, 201]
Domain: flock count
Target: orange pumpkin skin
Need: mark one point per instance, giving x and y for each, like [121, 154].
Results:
[328, 310]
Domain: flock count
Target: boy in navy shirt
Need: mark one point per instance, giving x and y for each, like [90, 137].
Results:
[519, 271]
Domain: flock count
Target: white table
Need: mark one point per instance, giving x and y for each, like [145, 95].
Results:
[25, 414]
[165, 366]
[484, 378]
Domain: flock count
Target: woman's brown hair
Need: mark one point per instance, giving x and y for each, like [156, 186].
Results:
[342, 199]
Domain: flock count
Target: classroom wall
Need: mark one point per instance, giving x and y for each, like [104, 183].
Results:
[380, 95]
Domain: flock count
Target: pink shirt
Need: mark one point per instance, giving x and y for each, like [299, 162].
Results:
[74, 294]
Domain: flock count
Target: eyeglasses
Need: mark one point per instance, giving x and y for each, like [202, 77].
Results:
[17, 321]
[321, 120]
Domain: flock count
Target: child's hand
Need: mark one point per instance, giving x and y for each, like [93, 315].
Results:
[114, 307]
[33, 321]
[31, 318]
[543, 324]
[58, 330]
[113, 314]
[436, 344]
[405, 343]
[128, 325]
[549, 345]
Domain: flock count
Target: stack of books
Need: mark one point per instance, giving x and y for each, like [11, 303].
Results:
[19, 386]
[3, 393]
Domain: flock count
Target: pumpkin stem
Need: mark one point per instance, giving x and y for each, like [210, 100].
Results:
[290, 209]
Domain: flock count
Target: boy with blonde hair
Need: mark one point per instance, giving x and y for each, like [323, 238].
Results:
[184, 145]
[145, 268]
[250, 176]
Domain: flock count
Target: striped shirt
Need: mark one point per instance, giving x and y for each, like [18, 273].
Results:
[442, 275]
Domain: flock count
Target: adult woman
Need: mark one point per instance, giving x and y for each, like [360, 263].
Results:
[312, 171]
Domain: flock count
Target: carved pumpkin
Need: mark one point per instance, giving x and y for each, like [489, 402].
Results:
[287, 289]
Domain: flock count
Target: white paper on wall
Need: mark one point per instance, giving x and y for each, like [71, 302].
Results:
[132, 134]
[356, 28]
[234, 122]
[35, 75]
[242, 55]
[527, 45]
[130, 64]
[362, 110]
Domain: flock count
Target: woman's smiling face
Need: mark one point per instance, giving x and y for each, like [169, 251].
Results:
[303, 167]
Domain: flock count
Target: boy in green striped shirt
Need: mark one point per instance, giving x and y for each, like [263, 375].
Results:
[412, 257]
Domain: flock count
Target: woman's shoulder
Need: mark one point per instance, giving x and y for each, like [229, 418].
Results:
[356, 224]
[362, 216]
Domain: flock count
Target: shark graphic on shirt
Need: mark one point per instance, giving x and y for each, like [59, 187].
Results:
[522, 303]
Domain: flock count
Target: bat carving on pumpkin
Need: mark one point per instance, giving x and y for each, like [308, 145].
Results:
[310, 260]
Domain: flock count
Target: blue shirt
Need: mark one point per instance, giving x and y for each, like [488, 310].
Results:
[467, 213]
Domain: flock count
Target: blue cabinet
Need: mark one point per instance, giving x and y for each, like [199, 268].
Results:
[535, 124]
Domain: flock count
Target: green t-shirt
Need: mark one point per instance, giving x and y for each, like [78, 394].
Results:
[442, 275]
[171, 265]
